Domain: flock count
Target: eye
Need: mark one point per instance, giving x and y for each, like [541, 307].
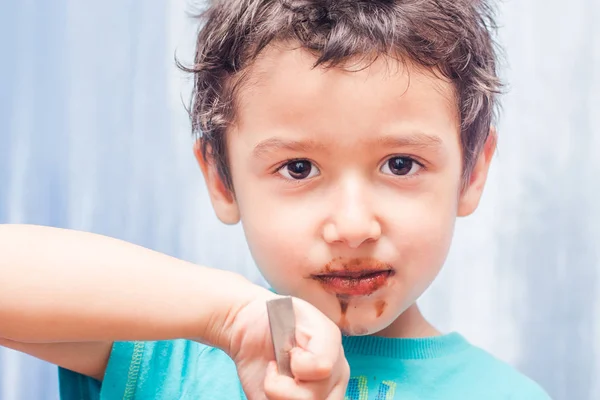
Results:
[298, 170]
[400, 166]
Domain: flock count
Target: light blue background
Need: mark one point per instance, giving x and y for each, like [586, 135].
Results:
[93, 136]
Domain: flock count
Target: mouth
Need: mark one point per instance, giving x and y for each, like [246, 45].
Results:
[354, 278]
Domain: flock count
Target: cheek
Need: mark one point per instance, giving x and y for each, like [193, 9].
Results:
[431, 232]
[278, 240]
[422, 234]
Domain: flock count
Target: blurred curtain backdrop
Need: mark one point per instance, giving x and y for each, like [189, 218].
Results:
[94, 136]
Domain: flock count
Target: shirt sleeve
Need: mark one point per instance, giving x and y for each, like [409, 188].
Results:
[119, 380]
[172, 369]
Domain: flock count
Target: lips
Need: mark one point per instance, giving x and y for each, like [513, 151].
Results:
[355, 277]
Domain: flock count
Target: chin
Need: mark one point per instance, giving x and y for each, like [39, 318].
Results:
[367, 318]
[363, 327]
[357, 330]
[354, 315]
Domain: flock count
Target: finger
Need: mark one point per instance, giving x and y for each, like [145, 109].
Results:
[318, 336]
[302, 337]
[338, 392]
[306, 367]
[288, 389]
[281, 387]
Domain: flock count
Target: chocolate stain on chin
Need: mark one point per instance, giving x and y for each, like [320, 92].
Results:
[343, 305]
[343, 324]
[380, 307]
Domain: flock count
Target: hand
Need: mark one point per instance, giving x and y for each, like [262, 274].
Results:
[320, 369]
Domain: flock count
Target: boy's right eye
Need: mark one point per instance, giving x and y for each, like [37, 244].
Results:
[298, 169]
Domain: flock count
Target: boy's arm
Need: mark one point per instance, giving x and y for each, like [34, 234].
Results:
[59, 286]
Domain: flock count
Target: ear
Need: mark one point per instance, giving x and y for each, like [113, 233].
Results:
[222, 199]
[471, 193]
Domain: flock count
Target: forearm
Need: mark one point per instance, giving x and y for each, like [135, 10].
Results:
[58, 285]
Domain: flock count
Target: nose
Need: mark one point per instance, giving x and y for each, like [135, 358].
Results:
[352, 220]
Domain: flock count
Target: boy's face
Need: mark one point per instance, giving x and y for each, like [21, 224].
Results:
[347, 183]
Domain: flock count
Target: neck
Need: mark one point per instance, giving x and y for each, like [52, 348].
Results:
[410, 324]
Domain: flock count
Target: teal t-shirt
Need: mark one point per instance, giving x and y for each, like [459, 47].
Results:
[445, 367]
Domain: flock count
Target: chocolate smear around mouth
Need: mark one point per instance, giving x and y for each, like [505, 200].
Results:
[354, 283]
[354, 277]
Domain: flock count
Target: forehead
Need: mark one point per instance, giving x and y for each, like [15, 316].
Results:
[284, 91]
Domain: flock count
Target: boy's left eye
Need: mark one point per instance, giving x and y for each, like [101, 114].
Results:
[400, 166]
[298, 170]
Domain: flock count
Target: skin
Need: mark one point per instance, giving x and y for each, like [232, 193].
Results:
[379, 182]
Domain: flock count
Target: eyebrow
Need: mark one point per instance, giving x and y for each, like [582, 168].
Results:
[275, 143]
[414, 139]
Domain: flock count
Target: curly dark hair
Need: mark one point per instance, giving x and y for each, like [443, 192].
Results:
[453, 37]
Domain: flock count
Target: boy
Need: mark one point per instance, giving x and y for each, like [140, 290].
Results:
[346, 136]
